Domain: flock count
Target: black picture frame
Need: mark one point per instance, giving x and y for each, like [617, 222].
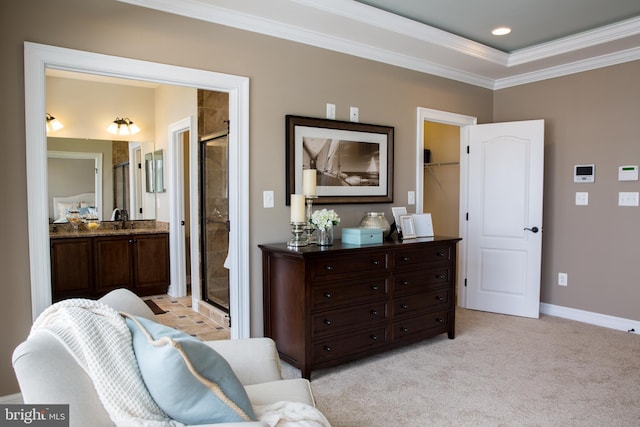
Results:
[354, 160]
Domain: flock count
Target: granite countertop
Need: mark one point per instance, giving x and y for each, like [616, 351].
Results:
[109, 228]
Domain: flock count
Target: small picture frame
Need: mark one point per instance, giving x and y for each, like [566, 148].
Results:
[424, 225]
[398, 211]
[408, 227]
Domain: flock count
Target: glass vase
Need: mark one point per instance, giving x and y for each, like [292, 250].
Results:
[325, 236]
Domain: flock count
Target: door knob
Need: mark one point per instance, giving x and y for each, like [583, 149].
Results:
[533, 229]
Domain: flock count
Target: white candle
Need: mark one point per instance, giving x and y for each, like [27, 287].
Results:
[309, 182]
[297, 208]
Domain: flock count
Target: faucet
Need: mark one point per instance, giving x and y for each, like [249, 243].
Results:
[124, 217]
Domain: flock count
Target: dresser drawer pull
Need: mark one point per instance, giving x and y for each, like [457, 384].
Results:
[327, 322]
[405, 258]
[328, 294]
[327, 348]
[440, 298]
[404, 329]
[328, 267]
[441, 276]
[374, 312]
[440, 254]
[375, 262]
[374, 288]
[374, 337]
[404, 282]
[439, 320]
[404, 306]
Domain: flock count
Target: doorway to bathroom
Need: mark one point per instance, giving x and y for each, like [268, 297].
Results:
[214, 197]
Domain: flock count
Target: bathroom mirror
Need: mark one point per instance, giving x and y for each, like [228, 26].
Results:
[80, 167]
[154, 172]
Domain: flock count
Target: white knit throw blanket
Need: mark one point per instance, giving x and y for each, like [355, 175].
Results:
[100, 341]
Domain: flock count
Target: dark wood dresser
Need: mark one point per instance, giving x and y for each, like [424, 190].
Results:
[328, 305]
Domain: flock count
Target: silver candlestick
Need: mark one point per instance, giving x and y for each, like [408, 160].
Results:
[298, 238]
[309, 228]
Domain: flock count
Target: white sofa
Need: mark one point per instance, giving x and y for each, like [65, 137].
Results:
[48, 374]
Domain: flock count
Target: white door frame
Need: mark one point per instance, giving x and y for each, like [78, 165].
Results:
[438, 116]
[178, 287]
[39, 57]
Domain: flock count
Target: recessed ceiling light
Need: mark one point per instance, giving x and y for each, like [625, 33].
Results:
[501, 31]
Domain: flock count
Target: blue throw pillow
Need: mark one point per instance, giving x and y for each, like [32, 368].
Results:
[190, 381]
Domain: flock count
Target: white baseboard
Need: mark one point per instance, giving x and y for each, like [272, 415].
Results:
[11, 399]
[604, 320]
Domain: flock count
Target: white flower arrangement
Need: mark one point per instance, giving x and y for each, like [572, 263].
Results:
[324, 218]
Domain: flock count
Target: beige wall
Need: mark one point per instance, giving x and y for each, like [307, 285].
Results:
[592, 117]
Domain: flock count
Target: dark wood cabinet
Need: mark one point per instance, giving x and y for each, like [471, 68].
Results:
[329, 305]
[114, 263]
[91, 267]
[151, 263]
[72, 268]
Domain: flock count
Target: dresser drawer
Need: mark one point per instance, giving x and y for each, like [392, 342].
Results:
[423, 256]
[350, 317]
[415, 281]
[411, 305]
[345, 345]
[348, 292]
[372, 263]
[415, 327]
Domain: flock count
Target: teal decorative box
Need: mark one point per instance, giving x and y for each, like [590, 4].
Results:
[361, 236]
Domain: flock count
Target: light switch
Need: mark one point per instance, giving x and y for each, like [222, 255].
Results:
[267, 199]
[628, 198]
[353, 114]
[331, 111]
[411, 197]
[582, 198]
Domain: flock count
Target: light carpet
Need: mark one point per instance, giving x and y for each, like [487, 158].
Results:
[498, 371]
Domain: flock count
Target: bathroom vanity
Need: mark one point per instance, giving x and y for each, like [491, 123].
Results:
[88, 264]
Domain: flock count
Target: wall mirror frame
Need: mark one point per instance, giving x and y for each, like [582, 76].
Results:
[39, 57]
[154, 171]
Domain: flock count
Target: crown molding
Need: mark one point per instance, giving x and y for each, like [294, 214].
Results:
[571, 68]
[602, 35]
[441, 54]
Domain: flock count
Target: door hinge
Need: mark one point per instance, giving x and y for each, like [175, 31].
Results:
[467, 216]
[140, 210]
[465, 283]
[139, 165]
[467, 149]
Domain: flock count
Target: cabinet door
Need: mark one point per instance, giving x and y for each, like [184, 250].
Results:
[71, 268]
[151, 264]
[113, 257]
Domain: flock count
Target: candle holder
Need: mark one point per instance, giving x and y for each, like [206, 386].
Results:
[308, 228]
[298, 239]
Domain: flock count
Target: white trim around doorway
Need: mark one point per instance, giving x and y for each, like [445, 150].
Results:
[37, 58]
[445, 117]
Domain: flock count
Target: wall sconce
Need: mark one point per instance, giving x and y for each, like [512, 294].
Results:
[123, 127]
[53, 124]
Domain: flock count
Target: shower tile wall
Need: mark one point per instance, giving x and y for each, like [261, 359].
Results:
[213, 110]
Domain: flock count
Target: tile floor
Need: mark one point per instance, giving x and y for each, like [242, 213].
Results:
[180, 315]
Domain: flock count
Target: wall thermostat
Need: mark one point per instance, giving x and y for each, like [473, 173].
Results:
[627, 173]
[584, 173]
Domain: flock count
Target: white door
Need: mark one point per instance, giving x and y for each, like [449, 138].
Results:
[504, 238]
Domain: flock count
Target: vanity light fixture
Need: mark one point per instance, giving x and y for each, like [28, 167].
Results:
[123, 127]
[501, 31]
[53, 124]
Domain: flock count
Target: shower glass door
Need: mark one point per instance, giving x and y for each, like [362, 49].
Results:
[215, 226]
